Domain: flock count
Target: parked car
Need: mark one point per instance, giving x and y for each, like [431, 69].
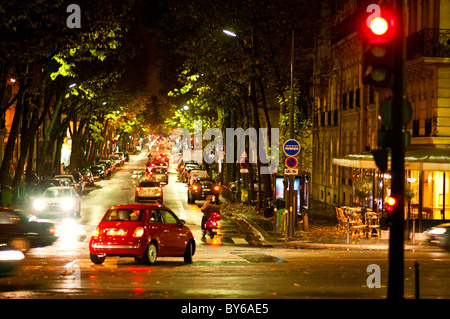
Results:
[148, 190]
[79, 181]
[439, 235]
[74, 182]
[121, 155]
[202, 187]
[63, 200]
[159, 174]
[98, 171]
[109, 166]
[87, 177]
[144, 232]
[116, 159]
[22, 232]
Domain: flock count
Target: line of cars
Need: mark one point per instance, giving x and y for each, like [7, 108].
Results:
[150, 183]
[200, 184]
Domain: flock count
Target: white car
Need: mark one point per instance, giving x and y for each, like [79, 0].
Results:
[148, 190]
[195, 173]
[58, 200]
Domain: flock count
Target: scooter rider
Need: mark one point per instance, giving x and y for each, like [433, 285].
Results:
[208, 207]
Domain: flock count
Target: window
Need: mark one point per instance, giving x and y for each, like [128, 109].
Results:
[350, 99]
[123, 215]
[149, 184]
[358, 97]
[154, 217]
[167, 217]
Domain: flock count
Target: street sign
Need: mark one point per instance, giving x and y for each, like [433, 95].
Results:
[244, 165]
[291, 162]
[291, 147]
[290, 171]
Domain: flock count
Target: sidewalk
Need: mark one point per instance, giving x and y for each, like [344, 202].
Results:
[322, 232]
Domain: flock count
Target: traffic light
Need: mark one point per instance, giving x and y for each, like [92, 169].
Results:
[378, 56]
[390, 203]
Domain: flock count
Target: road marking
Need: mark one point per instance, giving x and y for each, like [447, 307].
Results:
[239, 241]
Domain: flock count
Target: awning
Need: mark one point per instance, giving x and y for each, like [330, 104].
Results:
[425, 159]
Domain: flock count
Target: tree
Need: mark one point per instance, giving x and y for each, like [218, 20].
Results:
[243, 77]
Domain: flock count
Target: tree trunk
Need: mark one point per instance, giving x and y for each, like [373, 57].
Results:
[5, 175]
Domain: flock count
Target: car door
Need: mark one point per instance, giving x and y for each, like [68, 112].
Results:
[156, 231]
[173, 235]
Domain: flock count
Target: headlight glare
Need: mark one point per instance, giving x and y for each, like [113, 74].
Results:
[437, 231]
[39, 204]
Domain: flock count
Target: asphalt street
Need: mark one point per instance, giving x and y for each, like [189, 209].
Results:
[228, 266]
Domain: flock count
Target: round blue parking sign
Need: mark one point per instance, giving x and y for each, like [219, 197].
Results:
[291, 147]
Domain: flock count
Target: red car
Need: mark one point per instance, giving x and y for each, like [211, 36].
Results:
[142, 231]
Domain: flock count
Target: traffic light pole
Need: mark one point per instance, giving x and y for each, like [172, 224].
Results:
[396, 219]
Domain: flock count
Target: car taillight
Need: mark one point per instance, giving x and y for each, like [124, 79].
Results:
[52, 230]
[216, 188]
[96, 232]
[195, 187]
[138, 189]
[159, 189]
[139, 232]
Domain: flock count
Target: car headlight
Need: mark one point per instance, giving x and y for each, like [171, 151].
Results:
[67, 203]
[11, 255]
[437, 231]
[39, 204]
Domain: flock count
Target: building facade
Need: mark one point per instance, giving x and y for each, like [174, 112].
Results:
[346, 112]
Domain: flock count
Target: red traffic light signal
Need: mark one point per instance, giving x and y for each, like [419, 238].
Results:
[390, 203]
[378, 26]
[378, 56]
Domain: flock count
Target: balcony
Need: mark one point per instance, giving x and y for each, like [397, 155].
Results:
[428, 43]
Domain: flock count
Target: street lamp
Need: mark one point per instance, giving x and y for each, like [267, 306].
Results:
[186, 107]
[230, 33]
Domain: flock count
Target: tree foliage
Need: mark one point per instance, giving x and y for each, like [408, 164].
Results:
[65, 80]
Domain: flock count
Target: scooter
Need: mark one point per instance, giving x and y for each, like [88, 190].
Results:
[212, 224]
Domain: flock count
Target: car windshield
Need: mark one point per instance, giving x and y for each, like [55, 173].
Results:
[55, 193]
[149, 184]
[122, 215]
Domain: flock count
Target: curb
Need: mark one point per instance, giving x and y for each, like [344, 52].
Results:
[264, 239]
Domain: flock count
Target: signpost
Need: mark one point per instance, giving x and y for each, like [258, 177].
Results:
[291, 148]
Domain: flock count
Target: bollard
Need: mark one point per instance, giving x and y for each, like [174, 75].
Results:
[417, 286]
[348, 231]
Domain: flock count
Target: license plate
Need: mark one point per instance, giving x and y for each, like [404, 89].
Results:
[116, 232]
[158, 177]
[206, 189]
